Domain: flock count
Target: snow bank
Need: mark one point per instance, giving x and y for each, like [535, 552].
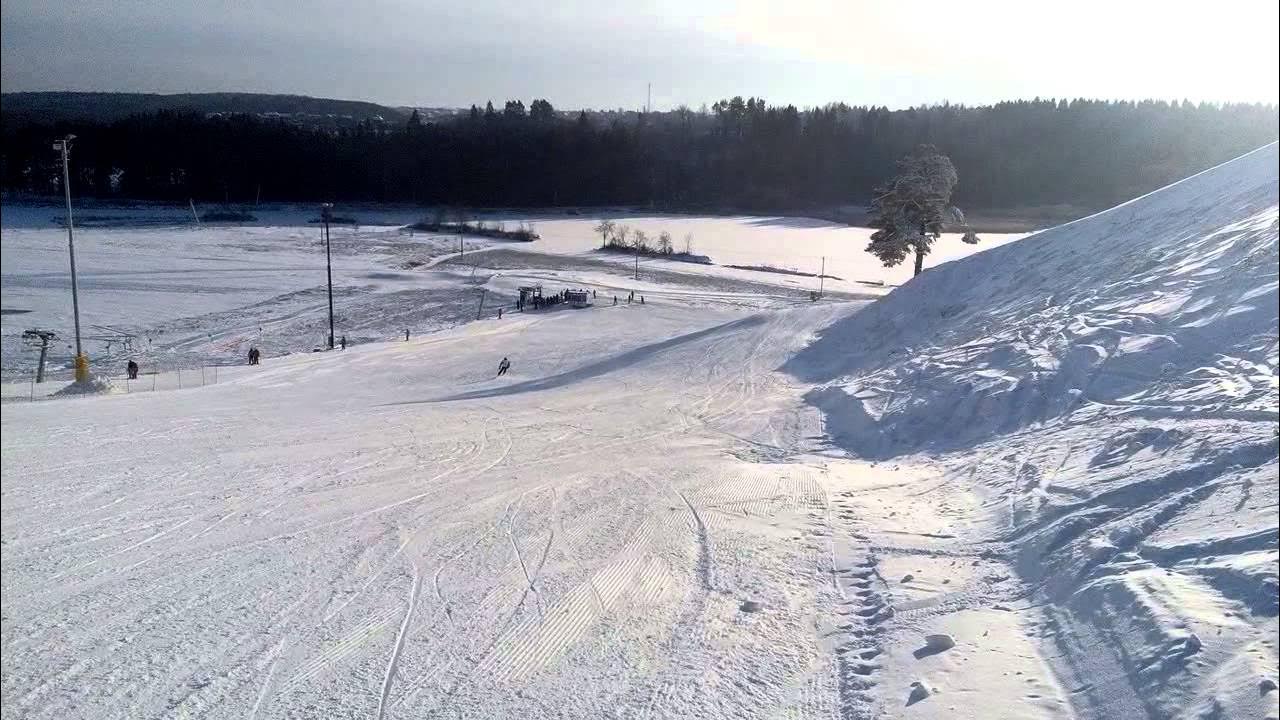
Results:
[1164, 306]
[92, 386]
[1110, 386]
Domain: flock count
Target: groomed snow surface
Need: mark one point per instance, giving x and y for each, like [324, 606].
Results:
[1040, 481]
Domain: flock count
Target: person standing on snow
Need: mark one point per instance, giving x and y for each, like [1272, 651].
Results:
[343, 342]
[132, 370]
[503, 367]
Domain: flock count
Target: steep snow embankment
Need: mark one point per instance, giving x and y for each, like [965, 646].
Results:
[1111, 386]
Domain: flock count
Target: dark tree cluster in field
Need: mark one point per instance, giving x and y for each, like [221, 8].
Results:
[739, 153]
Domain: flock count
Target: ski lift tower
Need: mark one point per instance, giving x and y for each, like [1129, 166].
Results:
[36, 336]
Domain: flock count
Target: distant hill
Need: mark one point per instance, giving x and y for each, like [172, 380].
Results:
[48, 107]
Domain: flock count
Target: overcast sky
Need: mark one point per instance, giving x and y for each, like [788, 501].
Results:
[601, 54]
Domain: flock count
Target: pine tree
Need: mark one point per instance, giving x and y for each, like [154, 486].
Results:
[910, 209]
[542, 111]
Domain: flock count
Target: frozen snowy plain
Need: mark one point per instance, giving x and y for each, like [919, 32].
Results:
[727, 502]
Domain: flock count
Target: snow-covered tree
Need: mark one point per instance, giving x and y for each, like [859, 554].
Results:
[910, 209]
[605, 228]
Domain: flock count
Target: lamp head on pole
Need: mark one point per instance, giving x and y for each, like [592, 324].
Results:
[326, 211]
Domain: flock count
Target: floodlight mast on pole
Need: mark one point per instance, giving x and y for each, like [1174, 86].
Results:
[82, 362]
[326, 212]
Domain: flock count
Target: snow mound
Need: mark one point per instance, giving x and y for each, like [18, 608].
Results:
[92, 386]
[1110, 387]
[1164, 306]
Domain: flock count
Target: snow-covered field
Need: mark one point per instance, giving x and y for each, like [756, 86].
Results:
[788, 243]
[185, 296]
[726, 502]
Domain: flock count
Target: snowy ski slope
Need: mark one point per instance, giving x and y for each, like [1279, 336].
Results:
[724, 503]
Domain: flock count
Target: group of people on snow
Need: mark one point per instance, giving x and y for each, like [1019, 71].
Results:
[255, 356]
[540, 301]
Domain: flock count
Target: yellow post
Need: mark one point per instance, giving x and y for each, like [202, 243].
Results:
[82, 368]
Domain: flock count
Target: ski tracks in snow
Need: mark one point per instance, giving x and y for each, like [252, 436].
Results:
[398, 647]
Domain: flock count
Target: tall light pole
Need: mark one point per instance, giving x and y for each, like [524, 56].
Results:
[326, 211]
[82, 362]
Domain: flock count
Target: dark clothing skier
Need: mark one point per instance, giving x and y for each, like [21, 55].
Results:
[503, 367]
[132, 369]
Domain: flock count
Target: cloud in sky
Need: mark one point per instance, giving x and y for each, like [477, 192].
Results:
[582, 53]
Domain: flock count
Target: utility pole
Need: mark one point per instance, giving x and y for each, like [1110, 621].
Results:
[82, 362]
[325, 214]
[822, 275]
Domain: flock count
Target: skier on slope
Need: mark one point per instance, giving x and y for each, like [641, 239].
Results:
[503, 367]
[132, 369]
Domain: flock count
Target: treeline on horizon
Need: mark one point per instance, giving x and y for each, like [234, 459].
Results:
[739, 154]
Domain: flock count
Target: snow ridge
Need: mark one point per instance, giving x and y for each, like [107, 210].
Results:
[1164, 306]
